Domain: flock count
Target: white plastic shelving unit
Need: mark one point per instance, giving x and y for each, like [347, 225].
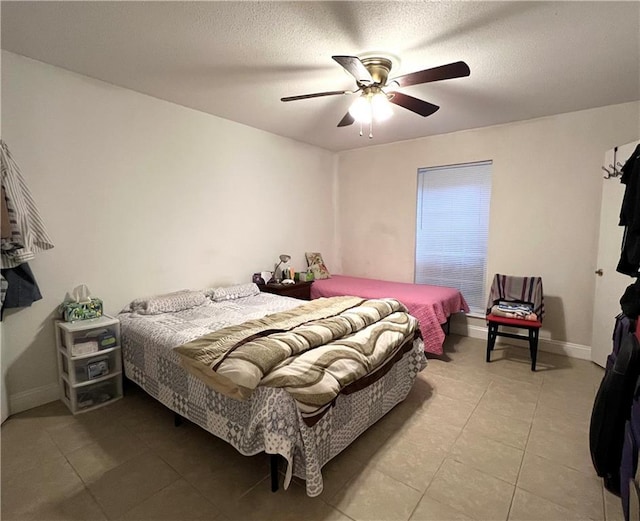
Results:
[93, 379]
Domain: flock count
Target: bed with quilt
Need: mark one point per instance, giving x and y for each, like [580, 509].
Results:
[273, 374]
[431, 305]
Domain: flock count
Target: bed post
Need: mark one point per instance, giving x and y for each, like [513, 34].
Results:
[274, 472]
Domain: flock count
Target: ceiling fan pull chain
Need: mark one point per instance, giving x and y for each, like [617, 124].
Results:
[360, 128]
[371, 129]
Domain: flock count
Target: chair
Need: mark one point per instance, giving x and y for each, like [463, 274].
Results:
[509, 292]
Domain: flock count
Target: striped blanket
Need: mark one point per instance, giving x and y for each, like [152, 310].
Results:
[314, 351]
[517, 289]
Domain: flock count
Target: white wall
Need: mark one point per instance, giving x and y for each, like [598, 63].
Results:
[546, 188]
[142, 196]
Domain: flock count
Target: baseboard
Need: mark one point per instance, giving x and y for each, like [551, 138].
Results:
[544, 344]
[33, 398]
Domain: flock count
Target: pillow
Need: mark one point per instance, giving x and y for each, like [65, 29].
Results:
[168, 303]
[317, 265]
[233, 292]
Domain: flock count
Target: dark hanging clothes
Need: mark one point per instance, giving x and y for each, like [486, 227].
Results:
[630, 217]
[630, 300]
[22, 290]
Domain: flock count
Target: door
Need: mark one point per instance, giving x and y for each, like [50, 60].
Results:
[610, 284]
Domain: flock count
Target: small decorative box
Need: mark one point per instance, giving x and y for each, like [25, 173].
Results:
[72, 311]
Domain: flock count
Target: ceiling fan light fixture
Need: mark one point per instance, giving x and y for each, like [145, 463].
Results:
[381, 107]
[361, 109]
[371, 106]
[371, 74]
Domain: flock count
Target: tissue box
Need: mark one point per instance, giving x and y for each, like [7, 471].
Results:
[72, 311]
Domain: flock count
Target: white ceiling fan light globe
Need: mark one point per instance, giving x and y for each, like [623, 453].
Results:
[381, 107]
[361, 110]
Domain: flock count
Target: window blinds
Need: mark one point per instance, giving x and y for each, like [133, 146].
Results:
[452, 229]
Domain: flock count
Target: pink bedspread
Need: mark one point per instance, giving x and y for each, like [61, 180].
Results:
[431, 305]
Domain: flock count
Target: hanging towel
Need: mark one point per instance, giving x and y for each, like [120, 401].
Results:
[28, 235]
[523, 289]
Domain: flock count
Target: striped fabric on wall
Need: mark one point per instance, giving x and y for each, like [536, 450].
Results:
[28, 234]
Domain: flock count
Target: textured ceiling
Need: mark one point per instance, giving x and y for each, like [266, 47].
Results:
[237, 59]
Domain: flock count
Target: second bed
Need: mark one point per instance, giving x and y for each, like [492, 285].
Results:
[431, 305]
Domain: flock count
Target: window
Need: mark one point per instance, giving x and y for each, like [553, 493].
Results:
[452, 229]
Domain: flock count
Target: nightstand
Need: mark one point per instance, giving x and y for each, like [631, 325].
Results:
[89, 362]
[299, 290]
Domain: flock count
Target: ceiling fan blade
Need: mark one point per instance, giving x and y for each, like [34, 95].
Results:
[316, 95]
[355, 67]
[444, 72]
[346, 121]
[416, 105]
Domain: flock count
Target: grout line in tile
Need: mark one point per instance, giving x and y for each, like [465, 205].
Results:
[524, 451]
[86, 487]
[588, 474]
[156, 492]
[547, 499]
[259, 483]
[517, 485]
[449, 454]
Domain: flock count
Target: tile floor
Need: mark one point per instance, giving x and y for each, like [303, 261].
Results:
[472, 441]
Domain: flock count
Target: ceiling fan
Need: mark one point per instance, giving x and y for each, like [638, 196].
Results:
[371, 75]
